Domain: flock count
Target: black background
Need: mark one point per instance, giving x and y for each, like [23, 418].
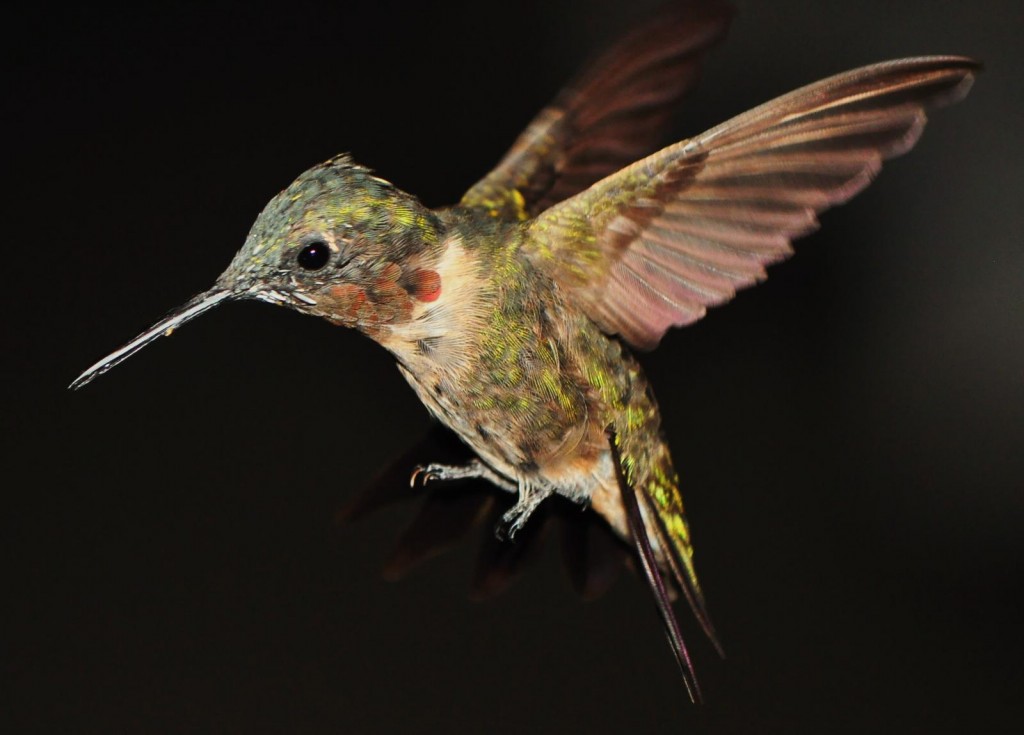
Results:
[849, 434]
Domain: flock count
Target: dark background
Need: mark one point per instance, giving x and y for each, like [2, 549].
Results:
[849, 434]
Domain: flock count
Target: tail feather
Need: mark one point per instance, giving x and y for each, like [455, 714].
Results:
[649, 562]
[679, 556]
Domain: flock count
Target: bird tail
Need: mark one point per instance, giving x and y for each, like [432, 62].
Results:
[664, 520]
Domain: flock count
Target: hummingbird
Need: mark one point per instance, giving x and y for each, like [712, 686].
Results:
[514, 314]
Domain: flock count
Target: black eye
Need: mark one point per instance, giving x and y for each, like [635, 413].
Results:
[314, 256]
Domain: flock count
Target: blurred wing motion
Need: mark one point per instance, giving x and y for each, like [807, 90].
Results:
[655, 244]
[613, 114]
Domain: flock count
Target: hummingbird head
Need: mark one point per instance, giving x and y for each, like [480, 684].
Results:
[338, 243]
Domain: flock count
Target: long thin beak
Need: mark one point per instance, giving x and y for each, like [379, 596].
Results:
[195, 306]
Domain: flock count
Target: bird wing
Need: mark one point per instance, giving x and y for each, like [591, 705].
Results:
[655, 244]
[613, 114]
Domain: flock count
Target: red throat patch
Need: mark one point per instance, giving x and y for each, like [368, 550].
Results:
[425, 285]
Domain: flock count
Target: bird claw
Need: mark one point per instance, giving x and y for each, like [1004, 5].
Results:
[445, 472]
[516, 516]
[426, 472]
[507, 528]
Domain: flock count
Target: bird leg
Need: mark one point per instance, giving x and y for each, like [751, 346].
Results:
[474, 470]
[530, 497]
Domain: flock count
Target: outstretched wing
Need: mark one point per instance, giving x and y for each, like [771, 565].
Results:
[655, 244]
[609, 117]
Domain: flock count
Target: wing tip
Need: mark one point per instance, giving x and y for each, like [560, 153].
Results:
[963, 69]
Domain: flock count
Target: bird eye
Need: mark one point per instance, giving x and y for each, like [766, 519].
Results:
[314, 256]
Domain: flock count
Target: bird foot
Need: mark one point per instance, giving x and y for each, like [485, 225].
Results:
[445, 472]
[515, 518]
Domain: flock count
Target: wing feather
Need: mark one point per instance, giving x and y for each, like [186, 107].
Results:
[659, 242]
[611, 115]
